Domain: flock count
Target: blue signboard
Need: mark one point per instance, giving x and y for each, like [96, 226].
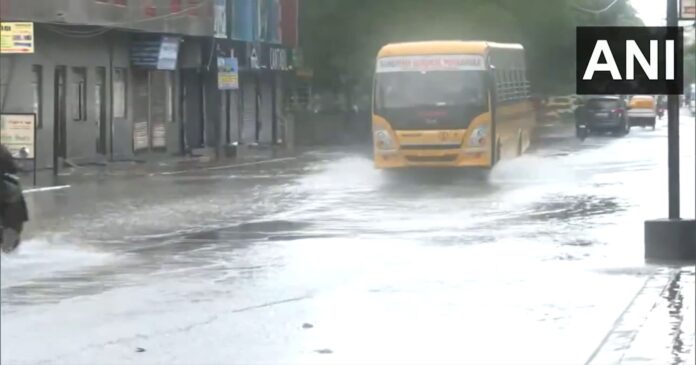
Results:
[145, 53]
[160, 54]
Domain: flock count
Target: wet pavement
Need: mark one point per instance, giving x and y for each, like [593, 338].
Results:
[322, 259]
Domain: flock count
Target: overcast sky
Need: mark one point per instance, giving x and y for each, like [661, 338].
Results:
[653, 12]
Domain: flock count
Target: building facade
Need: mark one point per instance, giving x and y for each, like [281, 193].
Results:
[117, 80]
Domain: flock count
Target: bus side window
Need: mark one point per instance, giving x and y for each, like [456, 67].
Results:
[500, 85]
[509, 91]
[513, 84]
[519, 84]
[527, 84]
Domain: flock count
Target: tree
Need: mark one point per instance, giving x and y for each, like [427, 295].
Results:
[342, 37]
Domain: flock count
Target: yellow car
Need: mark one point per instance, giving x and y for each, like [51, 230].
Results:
[642, 111]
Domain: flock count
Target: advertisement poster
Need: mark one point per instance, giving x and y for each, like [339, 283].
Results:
[220, 19]
[16, 37]
[18, 134]
[228, 73]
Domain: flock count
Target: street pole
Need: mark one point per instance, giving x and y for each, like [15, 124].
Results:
[673, 129]
[673, 238]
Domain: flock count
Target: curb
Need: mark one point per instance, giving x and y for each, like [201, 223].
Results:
[48, 183]
[620, 340]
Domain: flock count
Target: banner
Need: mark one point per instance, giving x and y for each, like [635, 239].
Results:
[16, 37]
[18, 134]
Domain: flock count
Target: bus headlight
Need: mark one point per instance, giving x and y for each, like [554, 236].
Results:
[478, 137]
[383, 140]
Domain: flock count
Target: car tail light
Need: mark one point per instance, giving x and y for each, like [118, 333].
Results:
[618, 111]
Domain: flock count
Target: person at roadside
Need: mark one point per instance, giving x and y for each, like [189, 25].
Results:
[13, 210]
[7, 162]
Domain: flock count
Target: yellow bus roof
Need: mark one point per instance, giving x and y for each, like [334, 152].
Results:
[442, 47]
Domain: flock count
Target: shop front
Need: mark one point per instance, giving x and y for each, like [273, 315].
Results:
[154, 73]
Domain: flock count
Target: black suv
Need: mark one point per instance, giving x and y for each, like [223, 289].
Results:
[602, 114]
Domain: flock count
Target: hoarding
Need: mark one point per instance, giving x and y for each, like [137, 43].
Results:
[16, 37]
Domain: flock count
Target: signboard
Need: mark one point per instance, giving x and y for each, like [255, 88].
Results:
[18, 134]
[159, 135]
[17, 37]
[304, 73]
[431, 63]
[168, 54]
[145, 53]
[228, 73]
[297, 58]
[220, 19]
[141, 137]
[278, 59]
[688, 10]
[160, 54]
[253, 52]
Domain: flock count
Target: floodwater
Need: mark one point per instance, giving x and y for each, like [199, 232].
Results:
[325, 260]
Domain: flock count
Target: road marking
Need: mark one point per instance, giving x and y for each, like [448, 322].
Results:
[49, 188]
[225, 167]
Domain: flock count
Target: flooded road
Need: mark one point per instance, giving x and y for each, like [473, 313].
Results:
[325, 260]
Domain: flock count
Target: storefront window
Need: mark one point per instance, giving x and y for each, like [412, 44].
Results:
[79, 103]
[119, 92]
[37, 88]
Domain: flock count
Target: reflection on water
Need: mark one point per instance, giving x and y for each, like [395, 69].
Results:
[682, 350]
[567, 207]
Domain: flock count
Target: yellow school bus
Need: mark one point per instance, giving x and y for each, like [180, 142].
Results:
[450, 104]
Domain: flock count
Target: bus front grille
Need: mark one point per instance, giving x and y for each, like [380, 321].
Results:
[430, 147]
[444, 158]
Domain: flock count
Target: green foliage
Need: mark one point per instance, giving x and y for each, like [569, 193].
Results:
[342, 37]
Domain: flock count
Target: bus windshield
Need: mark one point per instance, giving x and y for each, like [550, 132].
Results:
[399, 90]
